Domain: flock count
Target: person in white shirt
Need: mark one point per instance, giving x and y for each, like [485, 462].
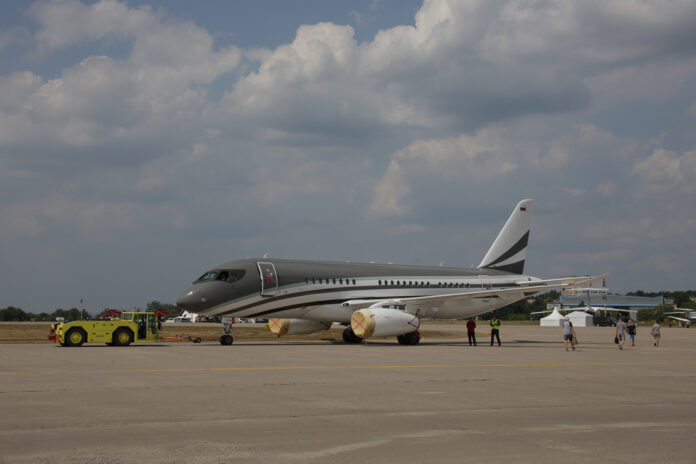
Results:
[568, 334]
[655, 332]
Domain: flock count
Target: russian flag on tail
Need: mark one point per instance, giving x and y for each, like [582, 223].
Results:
[523, 208]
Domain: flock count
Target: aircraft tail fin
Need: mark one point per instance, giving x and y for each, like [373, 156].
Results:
[509, 250]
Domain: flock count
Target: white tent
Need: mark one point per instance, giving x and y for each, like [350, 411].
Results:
[555, 319]
[580, 319]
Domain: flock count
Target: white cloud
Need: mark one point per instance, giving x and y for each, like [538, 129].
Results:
[148, 123]
[590, 33]
[390, 192]
[607, 189]
[575, 192]
[665, 171]
[63, 23]
[102, 100]
[659, 81]
[424, 163]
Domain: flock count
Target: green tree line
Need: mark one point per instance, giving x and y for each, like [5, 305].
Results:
[14, 314]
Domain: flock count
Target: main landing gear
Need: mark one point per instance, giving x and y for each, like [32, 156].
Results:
[409, 339]
[350, 337]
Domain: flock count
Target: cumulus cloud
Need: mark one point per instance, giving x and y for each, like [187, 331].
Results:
[474, 160]
[665, 171]
[149, 126]
[102, 101]
[63, 23]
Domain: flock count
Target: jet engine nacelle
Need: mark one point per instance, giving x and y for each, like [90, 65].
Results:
[383, 322]
[296, 326]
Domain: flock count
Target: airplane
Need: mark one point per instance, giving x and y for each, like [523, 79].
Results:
[689, 315]
[377, 300]
[589, 309]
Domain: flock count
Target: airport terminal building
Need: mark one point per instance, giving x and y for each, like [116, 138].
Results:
[629, 303]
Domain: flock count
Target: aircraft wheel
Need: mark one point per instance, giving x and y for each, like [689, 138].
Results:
[197, 340]
[401, 339]
[75, 337]
[350, 337]
[411, 338]
[226, 340]
[123, 337]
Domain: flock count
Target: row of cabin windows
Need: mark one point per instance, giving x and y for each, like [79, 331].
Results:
[403, 283]
[390, 283]
[339, 281]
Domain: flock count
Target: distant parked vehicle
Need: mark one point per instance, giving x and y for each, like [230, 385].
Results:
[604, 321]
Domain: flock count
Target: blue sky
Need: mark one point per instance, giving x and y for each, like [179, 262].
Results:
[144, 142]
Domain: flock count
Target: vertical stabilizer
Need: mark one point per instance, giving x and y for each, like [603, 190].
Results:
[509, 250]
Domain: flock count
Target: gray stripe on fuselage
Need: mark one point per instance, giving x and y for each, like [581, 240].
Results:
[358, 294]
[292, 274]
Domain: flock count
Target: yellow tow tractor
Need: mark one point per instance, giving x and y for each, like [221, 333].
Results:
[119, 329]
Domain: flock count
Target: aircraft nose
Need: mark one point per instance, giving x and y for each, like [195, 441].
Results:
[190, 300]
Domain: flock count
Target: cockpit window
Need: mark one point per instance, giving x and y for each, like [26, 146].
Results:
[223, 276]
[211, 275]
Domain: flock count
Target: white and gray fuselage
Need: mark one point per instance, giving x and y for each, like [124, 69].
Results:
[322, 291]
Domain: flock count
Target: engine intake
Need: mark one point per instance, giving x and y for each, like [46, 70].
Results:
[281, 327]
[383, 322]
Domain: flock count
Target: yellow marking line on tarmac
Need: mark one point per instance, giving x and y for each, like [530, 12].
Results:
[366, 366]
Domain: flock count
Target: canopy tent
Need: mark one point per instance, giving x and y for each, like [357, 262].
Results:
[555, 319]
[580, 319]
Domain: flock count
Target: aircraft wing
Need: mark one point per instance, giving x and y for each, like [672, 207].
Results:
[527, 290]
[360, 304]
[573, 281]
[602, 308]
[679, 319]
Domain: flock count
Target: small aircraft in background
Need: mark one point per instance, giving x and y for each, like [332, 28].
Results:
[687, 315]
[595, 311]
[592, 310]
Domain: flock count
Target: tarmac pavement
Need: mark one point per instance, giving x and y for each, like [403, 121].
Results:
[314, 402]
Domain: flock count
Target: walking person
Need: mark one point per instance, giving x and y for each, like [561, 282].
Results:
[495, 329]
[568, 334]
[655, 332]
[621, 332]
[470, 330]
[631, 330]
